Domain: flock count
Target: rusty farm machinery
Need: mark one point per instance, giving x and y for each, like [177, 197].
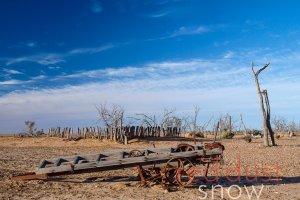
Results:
[170, 166]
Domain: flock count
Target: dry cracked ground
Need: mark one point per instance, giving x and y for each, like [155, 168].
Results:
[277, 170]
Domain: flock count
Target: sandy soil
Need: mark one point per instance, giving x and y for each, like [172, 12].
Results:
[19, 155]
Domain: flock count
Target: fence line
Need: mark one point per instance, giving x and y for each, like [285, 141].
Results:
[116, 134]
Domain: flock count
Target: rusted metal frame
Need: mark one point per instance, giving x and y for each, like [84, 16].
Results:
[114, 164]
[140, 171]
[150, 174]
[123, 163]
[34, 176]
[206, 172]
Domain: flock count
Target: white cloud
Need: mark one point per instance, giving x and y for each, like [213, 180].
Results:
[224, 43]
[169, 69]
[11, 71]
[190, 31]
[219, 85]
[75, 104]
[96, 6]
[42, 59]
[184, 31]
[55, 58]
[228, 54]
[12, 82]
[91, 50]
[256, 24]
[54, 67]
[159, 15]
[40, 77]
[30, 44]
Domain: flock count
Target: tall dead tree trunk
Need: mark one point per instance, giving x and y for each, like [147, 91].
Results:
[244, 126]
[265, 93]
[266, 125]
[197, 109]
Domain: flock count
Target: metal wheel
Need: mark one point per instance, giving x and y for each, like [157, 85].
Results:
[180, 171]
[184, 148]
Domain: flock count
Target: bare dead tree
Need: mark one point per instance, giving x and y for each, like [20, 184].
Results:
[243, 124]
[216, 131]
[190, 123]
[226, 123]
[195, 118]
[30, 125]
[146, 120]
[112, 118]
[186, 124]
[167, 117]
[202, 128]
[196, 112]
[266, 112]
[167, 121]
[280, 124]
[293, 127]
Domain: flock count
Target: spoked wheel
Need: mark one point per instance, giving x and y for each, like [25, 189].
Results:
[180, 171]
[184, 148]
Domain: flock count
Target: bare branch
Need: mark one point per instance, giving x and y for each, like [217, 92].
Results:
[260, 70]
[112, 117]
[253, 69]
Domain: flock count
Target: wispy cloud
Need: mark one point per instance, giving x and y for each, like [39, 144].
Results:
[54, 67]
[159, 14]
[190, 31]
[12, 82]
[219, 85]
[146, 95]
[151, 70]
[11, 71]
[25, 44]
[91, 50]
[185, 31]
[224, 43]
[55, 58]
[23, 83]
[30, 44]
[229, 69]
[42, 59]
[228, 54]
[96, 6]
[255, 24]
[39, 77]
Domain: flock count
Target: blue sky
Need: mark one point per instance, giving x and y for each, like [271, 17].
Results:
[58, 59]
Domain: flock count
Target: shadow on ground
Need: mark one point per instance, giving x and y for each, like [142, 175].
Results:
[223, 181]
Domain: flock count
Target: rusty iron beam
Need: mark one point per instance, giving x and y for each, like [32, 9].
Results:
[29, 176]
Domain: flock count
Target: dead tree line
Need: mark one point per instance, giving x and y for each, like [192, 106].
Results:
[119, 134]
[282, 125]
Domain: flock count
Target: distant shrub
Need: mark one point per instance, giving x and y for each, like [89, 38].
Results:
[247, 138]
[199, 134]
[227, 135]
[255, 133]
